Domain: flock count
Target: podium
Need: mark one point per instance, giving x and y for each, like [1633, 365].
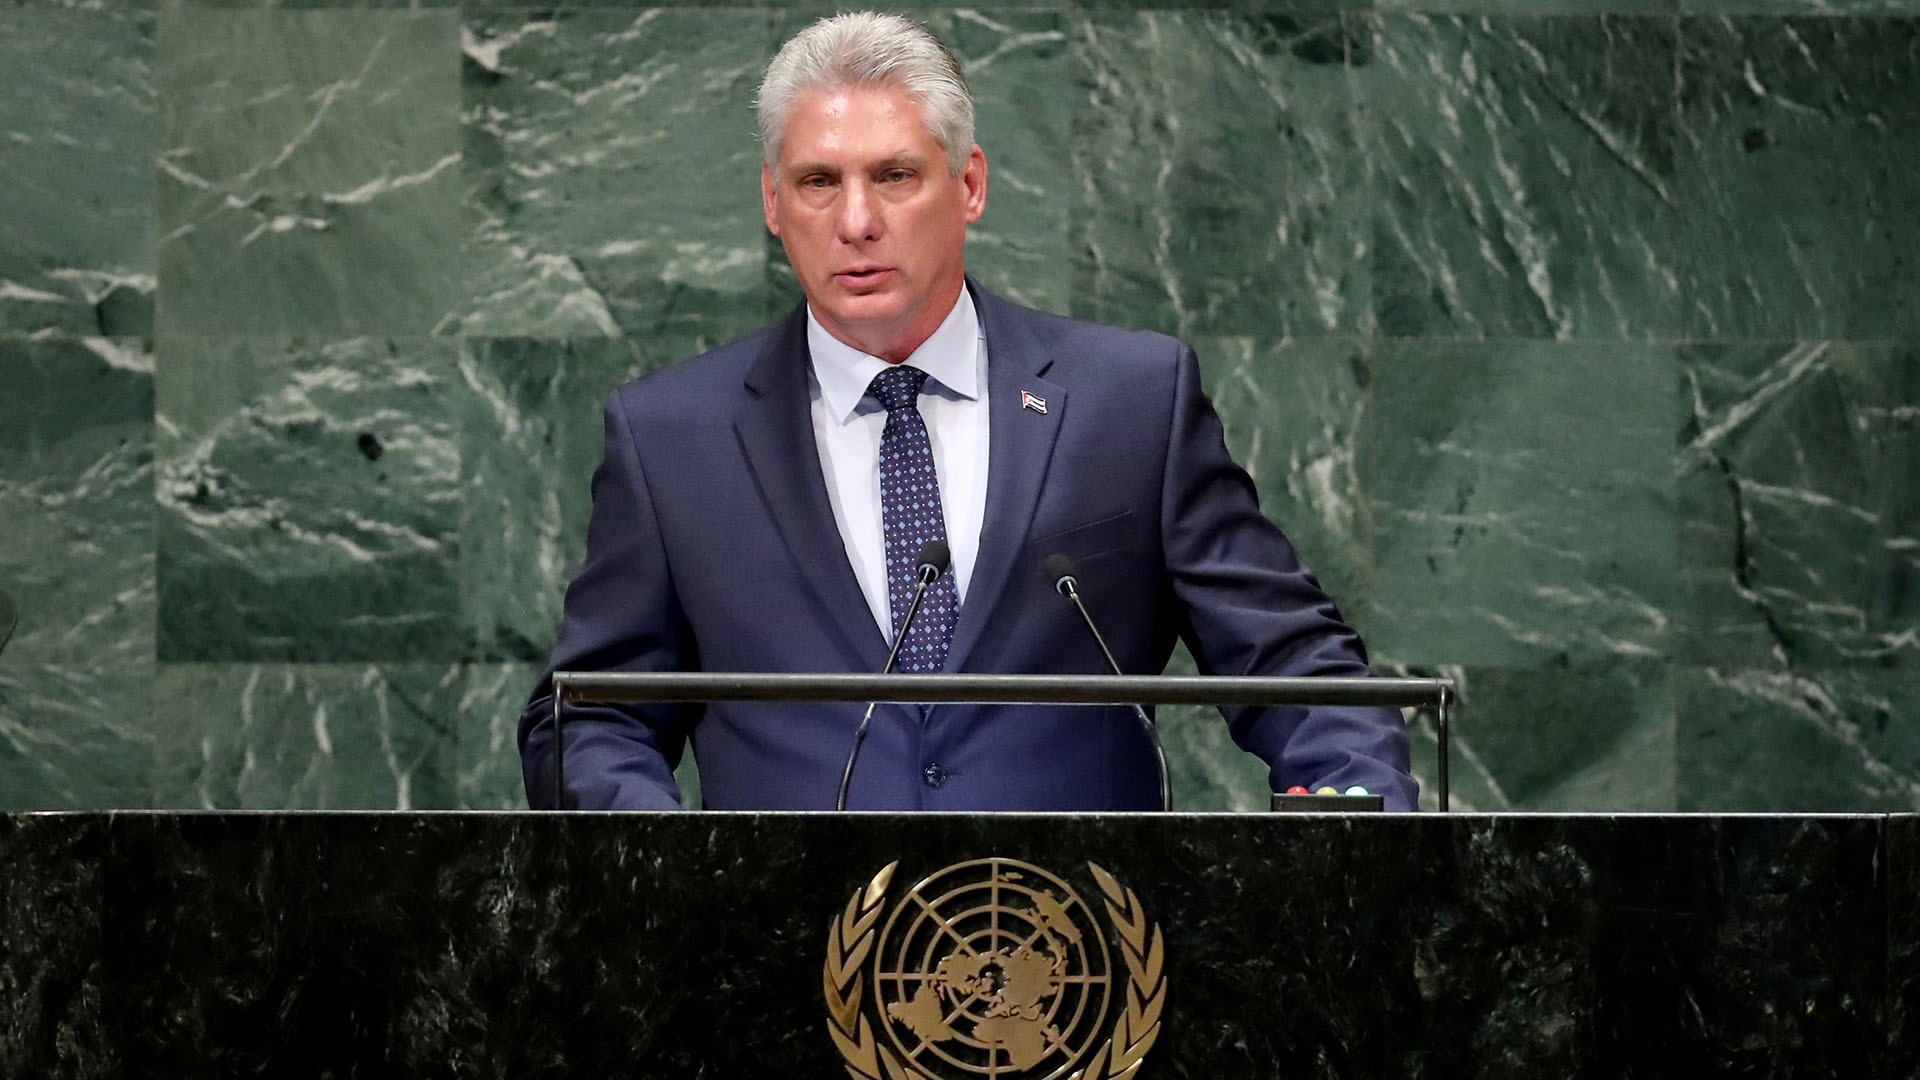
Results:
[702, 944]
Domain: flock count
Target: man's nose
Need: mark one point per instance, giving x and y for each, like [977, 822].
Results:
[859, 219]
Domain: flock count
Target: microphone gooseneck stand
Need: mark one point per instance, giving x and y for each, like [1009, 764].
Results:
[1067, 582]
[934, 556]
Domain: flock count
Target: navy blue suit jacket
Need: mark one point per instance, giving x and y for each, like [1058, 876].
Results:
[713, 547]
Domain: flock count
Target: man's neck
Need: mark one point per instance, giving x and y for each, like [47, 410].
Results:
[896, 349]
[950, 356]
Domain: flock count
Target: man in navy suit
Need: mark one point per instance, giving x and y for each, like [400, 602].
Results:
[753, 499]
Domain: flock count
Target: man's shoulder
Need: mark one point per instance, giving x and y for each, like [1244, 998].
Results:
[705, 380]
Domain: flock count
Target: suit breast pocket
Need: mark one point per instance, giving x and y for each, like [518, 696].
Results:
[1084, 543]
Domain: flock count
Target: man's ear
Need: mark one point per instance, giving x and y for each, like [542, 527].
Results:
[766, 199]
[974, 177]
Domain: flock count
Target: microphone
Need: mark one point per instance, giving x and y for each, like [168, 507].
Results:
[933, 559]
[1066, 581]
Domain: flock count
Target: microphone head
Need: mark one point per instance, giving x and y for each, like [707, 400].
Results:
[1061, 571]
[934, 557]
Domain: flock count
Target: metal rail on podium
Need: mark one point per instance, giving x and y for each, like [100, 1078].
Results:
[682, 687]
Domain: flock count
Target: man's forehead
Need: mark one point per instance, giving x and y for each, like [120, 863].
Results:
[877, 124]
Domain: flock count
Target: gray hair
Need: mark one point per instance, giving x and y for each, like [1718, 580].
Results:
[866, 48]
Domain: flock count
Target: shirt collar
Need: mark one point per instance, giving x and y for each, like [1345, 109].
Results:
[949, 357]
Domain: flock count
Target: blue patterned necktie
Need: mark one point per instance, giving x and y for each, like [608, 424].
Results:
[910, 515]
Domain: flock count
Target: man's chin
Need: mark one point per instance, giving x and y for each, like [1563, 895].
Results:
[863, 313]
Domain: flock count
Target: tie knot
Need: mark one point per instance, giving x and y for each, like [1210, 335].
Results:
[898, 387]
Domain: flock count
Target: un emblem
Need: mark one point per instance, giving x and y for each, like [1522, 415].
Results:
[993, 968]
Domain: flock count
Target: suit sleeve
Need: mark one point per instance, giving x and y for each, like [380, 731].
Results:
[621, 615]
[1253, 608]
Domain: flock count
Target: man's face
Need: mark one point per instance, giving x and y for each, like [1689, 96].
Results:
[873, 222]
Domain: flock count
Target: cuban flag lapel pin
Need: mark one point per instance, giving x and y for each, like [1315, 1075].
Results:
[1030, 400]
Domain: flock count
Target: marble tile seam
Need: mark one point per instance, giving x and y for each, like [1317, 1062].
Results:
[1521, 10]
[805, 8]
[164, 9]
[1813, 10]
[1895, 10]
[1663, 340]
[1291, 336]
[1517, 9]
[301, 338]
[1279, 819]
[1297, 334]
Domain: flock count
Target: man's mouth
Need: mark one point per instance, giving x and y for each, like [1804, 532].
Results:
[864, 273]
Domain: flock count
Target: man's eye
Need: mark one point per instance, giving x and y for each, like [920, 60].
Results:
[815, 181]
[895, 176]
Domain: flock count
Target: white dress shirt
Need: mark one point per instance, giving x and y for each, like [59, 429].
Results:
[846, 429]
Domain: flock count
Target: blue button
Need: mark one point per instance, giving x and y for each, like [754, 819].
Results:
[935, 775]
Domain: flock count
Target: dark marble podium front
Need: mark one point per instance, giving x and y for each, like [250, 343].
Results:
[690, 945]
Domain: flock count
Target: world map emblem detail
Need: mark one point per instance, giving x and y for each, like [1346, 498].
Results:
[993, 968]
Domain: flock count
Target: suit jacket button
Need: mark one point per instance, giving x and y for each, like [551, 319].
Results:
[935, 775]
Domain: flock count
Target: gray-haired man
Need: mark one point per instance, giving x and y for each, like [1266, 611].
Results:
[761, 506]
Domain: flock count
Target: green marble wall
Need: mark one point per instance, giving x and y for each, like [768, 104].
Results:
[1577, 342]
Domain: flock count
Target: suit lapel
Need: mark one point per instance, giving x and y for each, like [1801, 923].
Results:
[1019, 445]
[775, 428]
